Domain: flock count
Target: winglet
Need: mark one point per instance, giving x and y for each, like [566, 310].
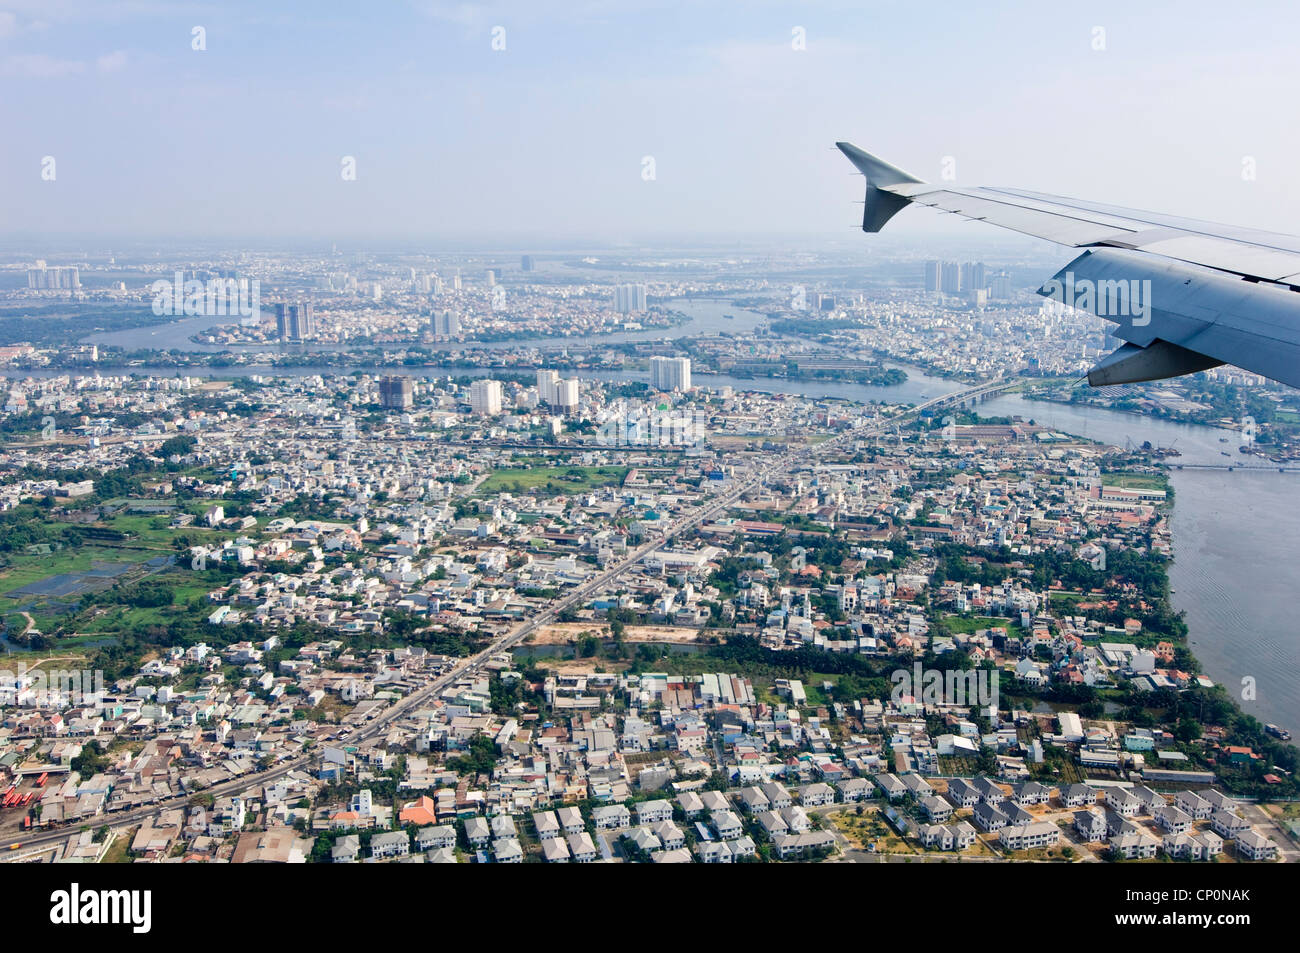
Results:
[880, 206]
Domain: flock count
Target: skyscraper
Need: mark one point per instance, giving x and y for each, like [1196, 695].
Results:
[396, 393]
[1000, 287]
[670, 373]
[629, 299]
[526, 263]
[445, 323]
[950, 278]
[932, 276]
[294, 322]
[546, 381]
[42, 278]
[485, 396]
[566, 395]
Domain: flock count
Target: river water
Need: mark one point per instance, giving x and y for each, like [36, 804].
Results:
[1236, 535]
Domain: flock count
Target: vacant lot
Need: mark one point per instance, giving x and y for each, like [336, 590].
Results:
[552, 479]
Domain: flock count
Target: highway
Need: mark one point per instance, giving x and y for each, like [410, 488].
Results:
[468, 666]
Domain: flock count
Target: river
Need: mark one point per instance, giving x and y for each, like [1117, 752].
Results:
[1236, 536]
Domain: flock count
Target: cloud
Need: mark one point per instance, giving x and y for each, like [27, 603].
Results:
[111, 62]
[8, 24]
[41, 66]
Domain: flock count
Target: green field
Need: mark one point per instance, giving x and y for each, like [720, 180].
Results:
[1136, 481]
[552, 479]
[956, 624]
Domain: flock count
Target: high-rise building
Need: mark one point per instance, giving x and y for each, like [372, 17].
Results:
[950, 278]
[670, 373]
[825, 302]
[629, 299]
[546, 381]
[932, 276]
[1000, 287]
[491, 277]
[526, 263]
[396, 393]
[566, 395]
[294, 322]
[974, 278]
[485, 396]
[445, 323]
[303, 322]
[42, 278]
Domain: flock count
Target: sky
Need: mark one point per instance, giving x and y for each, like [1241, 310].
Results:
[626, 120]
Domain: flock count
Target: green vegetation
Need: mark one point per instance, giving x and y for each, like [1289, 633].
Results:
[552, 479]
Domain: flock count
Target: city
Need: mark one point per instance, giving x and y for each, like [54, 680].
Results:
[501, 433]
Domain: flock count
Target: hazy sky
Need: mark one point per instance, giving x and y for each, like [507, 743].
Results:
[546, 138]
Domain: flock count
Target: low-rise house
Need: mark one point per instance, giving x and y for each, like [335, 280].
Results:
[1203, 845]
[743, 848]
[918, 786]
[506, 850]
[713, 852]
[777, 796]
[816, 795]
[1077, 795]
[727, 825]
[1090, 825]
[346, 849]
[653, 812]
[643, 838]
[1253, 845]
[961, 793]
[1134, 845]
[752, 799]
[1172, 820]
[854, 789]
[1123, 802]
[989, 818]
[1227, 824]
[555, 850]
[611, 817]
[690, 804]
[937, 809]
[1193, 805]
[947, 836]
[390, 844]
[891, 786]
[1029, 836]
[670, 835]
[771, 822]
[989, 792]
[1030, 793]
[581, 848]
[547, 826]
[571, 821]
[789, 846]
[435, 838]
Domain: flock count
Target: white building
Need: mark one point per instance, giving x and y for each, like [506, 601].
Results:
[670, 373]
[485, 396]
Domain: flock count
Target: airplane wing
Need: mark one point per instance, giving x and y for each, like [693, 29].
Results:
[1185, 295]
